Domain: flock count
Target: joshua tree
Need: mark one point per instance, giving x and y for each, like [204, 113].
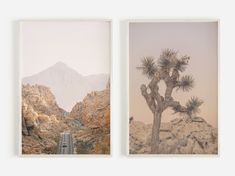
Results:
[168, 69]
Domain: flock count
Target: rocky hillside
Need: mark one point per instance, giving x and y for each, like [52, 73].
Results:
[41, 100]
[94, 115]
[42, 120]
[180, 136]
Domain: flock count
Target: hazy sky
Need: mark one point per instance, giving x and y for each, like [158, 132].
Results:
[82, 45]
[196, 39]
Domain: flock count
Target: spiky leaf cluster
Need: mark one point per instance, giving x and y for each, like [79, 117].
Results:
[167, 59]
[148, 67]
[193, 105]
[181, 64]
[186, 83]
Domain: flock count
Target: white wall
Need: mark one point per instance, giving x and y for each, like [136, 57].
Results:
[118, 164]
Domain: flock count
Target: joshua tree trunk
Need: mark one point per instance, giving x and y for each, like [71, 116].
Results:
[156, 132]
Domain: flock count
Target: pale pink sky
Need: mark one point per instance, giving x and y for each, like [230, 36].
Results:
[196, 39]
[81, 44]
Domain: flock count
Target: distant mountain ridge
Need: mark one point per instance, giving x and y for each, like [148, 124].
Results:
[67, 84]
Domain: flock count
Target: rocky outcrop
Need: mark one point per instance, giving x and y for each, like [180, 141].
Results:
[180, 136]
[42, 120]
[94, 115]
[93, 111]
[41, 100]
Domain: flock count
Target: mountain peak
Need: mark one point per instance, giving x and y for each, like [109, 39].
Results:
[60, 64]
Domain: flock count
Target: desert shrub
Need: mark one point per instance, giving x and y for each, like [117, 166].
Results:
[83, 147]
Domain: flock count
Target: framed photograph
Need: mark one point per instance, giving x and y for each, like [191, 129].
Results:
[65, 87]
[173, 87]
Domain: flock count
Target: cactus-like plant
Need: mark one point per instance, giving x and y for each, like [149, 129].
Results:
[168, 68]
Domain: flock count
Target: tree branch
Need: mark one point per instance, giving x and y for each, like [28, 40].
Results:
[153, 85]
[171, 83]
[165, 75]
[149, 98]
[175, 75]
[176, 105]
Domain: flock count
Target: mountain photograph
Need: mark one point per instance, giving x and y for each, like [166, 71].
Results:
[65, 87]
[173, 88]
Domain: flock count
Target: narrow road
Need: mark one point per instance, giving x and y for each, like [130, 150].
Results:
[66, 143]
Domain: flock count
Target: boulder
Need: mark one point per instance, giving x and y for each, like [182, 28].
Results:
[179, 136]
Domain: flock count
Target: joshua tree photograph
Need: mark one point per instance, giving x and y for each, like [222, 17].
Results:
[65, 87]
[173, 84]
